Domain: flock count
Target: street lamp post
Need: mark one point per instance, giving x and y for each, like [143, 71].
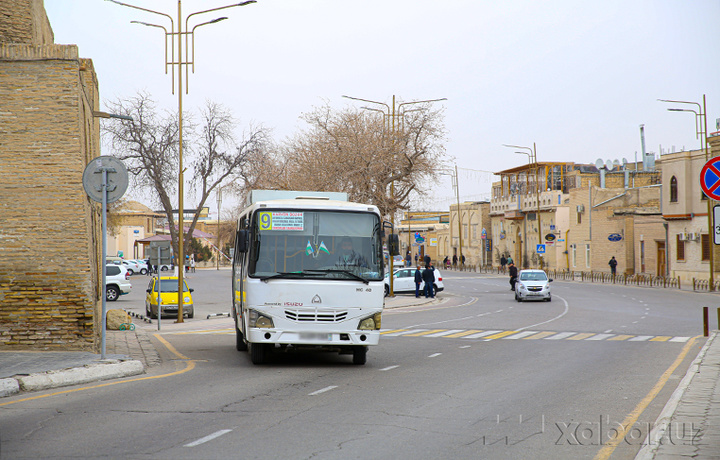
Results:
[532, 159]
[701, 132]
[180, 62]
[219, 202]
[392, 112]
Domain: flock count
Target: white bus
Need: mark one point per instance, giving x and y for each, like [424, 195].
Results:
[307, 272]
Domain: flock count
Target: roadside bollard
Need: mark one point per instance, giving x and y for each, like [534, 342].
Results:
[706, 315]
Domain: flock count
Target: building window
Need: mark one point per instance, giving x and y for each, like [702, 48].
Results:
[673, 190]
[705, 239]
[579, 218]
[680, 248]
[574, 256]
[587, 255]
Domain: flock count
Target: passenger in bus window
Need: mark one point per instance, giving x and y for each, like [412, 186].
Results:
[348, 256]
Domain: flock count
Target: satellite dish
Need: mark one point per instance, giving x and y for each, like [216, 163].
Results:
[609, 165]
[599, 163]
[616, 163]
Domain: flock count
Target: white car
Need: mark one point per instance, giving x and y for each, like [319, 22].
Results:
[132, 266]
[141, 265]
[404, 281]
[533, 285]
[117, 281]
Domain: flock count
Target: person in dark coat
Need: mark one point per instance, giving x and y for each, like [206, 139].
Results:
[513, 275]
[503, 262]
[418, 281]
[428, 275]
[613, 265]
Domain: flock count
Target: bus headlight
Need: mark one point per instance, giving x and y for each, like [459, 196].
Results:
[371, 323]
[258, 320]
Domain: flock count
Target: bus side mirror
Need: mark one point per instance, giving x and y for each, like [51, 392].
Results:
[393, 244]
[243, 237]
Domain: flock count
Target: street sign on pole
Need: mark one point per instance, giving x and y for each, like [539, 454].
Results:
[540, 249]
[710, 178]
[716, 224]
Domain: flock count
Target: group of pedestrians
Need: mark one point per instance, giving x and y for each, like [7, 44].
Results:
[426, 276]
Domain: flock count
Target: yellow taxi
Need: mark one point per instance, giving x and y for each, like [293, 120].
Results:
[166, 287]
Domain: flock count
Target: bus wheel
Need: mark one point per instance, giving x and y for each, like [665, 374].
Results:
[258, 352]
[359, 355]
[240, 343]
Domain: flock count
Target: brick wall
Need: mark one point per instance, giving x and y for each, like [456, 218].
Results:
[24, 21]
[49, 230]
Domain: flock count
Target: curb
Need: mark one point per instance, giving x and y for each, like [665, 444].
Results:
[108, 369]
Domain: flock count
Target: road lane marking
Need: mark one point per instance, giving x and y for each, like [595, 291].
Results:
[431, 331]
[500, 335]
[582, 336]
[600, 337]
[462, 334]
[405, 332]
[434, 355]
[540, 335]
[323, 390]
[521, 335]
[661, 338]
[629, 422]
[561, 335]
[389, 368]
[680, 339]
[567, 308]
[641, 338]
[621, 337]
[207, 438]
[445, 332]
[480, 334]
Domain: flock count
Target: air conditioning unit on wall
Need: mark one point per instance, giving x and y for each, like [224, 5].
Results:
[581, 208]
[693, 236]
[683, 236]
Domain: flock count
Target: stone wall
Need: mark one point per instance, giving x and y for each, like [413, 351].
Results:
[49, 229]
[24, 21]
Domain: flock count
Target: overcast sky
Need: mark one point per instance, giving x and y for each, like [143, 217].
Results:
[577, 78]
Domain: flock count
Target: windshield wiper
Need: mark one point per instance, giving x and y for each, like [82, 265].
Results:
[345, 272]
[283, 275]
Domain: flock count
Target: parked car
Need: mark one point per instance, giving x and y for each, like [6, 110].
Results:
[117, 282]
[533, 285]
[166, 287]
[132, 267]
[141, 265]
[404, 281]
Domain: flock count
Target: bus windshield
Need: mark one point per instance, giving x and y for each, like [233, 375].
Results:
[316, 244]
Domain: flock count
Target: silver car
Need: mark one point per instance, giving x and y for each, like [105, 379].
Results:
[533, 285]
[117, 281]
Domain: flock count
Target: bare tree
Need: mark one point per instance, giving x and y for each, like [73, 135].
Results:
[355, 151]
[149, 147]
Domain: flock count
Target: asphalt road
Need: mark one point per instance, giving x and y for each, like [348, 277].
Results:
[475, 375]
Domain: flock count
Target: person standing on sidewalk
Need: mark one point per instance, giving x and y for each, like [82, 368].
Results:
[428, 275]
[418, 281]
[513, 275]
[613, 265]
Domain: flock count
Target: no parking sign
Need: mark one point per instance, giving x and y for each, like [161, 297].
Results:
[710, 178]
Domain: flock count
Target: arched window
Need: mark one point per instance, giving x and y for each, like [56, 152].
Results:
[673, 190]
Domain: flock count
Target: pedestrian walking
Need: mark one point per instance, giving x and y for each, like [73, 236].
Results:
[503, 262]
[428, 276]
[613, 265]
[418, 280]
[513, 275]
[192, 263]
[454, 260]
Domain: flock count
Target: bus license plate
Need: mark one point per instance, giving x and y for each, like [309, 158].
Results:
[315, 336]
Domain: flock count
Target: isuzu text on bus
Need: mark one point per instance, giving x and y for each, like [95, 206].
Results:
[307, 272]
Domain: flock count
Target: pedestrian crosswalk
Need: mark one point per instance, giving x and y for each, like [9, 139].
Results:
[528, 335]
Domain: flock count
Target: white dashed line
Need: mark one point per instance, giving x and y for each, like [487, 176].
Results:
[389, 368]
[331, 387]
[434, 355]
[207, 438]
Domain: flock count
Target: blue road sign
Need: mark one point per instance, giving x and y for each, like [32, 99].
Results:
[710, 178]
[540, 249]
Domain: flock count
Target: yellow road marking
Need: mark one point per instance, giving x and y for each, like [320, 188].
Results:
[418, 334]
[582, 336]
[661, 338]
[462, 334]
[621, 337]
[630, 420]
[189, 365]
[500, 335]
[540, 335]
[394, 330]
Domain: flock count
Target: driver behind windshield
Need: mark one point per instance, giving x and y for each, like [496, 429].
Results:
[348, 256]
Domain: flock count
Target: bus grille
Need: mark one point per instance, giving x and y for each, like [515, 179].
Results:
[316, 316]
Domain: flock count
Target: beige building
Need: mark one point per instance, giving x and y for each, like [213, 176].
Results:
[468, 226]
[418, 233]
[135, 222]
[685, 210]
[50, 233]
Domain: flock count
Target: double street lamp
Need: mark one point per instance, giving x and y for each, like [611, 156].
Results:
[701, 132]
[392, 112]
[172, 60]
[532, 159]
